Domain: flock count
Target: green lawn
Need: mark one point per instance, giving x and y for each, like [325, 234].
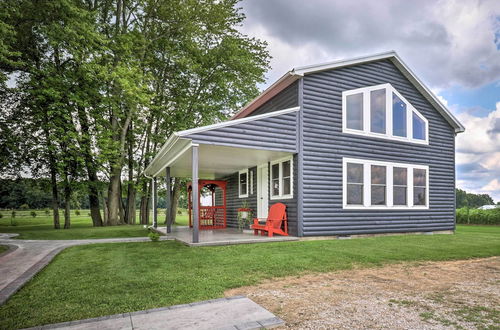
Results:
[3, 248]
[41, 227]
[95, 280]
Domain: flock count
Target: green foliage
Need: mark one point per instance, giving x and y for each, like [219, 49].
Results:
[33, 214]
[465, 199]
[1, 215]
[478, 217]
[154, 236]
[24, 207]
[244, 217]
[67, 288]
[13, 214]
[77, 212]
[47, 212]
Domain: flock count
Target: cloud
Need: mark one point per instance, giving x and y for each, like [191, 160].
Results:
[478, 153]
[448, 42]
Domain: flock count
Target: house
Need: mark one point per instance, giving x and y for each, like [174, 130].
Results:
[488, 207]
[352, 147]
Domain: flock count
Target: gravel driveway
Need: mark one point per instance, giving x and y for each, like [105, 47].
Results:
[432, 295]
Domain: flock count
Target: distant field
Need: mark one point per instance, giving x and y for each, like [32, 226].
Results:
[41, 226]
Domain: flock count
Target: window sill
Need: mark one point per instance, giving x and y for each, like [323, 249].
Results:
[398, 207]
[281, 197]
[384, 136]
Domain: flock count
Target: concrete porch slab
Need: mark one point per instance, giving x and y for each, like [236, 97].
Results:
[226, 236]
[225, 313]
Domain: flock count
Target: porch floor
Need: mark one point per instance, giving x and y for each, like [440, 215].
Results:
[226, 236]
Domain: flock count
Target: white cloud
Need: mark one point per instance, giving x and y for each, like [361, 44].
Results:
[493, 185]
[447, 42]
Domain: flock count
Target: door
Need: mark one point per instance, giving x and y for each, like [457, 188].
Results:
[262, 191]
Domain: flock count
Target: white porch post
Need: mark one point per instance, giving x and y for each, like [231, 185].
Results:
[154, 204]
[195, 193]
[169, 201]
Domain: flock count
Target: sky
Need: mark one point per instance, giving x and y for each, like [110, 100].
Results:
[453, 46]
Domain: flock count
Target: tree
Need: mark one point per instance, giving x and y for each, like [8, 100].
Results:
[465, 199]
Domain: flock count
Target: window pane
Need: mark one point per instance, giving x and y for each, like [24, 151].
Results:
[354, 173]
[378, 195]
[354, 109]
[286, 169]
[400, 176]
[418, 196]
[399, 197]
[378, 174]
[418, 127]
[275, 187]
[419, 177]
[286, 186]
[355, 194]
[275, 169]
[398, 116]
[377, 108]
[243, 183]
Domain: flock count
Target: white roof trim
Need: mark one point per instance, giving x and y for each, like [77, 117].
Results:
[235, 122]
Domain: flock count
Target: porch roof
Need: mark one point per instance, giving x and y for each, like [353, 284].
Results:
[214, 161]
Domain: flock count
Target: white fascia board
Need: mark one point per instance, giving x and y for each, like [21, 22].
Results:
[286, 80]
[236, 121]
[394, 57]
[341, 63]
[459, 128]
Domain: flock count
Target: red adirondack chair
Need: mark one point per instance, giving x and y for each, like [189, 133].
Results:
[276, 222]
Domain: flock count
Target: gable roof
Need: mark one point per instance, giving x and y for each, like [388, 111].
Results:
[291, 76]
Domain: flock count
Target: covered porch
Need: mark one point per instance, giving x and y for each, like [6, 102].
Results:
[183, 158]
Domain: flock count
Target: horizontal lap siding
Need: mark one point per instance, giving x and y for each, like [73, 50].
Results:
[325, 145]
[287, 98]
[233, 202]
[271, 133]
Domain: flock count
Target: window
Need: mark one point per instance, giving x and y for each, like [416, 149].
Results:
[384, 185]
[381, 111]
[418, 127]
[355, 111]
[378, 109]
[378, 184]
[419, 186]
[282, 178]
[243, 183]
[398, 116]
[354, 184]
[400, 182]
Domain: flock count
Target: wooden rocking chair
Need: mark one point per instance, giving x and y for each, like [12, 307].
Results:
[276, 222]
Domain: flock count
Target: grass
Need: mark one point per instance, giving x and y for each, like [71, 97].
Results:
[95, 280]
[41, 227]
[3, 248]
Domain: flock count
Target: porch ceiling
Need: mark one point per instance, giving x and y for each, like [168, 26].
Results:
[216, 161]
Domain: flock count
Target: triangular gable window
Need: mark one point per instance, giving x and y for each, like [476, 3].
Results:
[381, 111]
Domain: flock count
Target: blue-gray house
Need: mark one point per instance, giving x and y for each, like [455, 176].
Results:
[351, 147]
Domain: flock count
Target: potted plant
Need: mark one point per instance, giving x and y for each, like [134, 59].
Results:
[244, 215]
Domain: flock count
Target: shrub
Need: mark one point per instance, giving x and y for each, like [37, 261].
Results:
[13, 219]
[24, 207]
[77, 212]
[478, 217]
[47, 212]
[33, 214]
[179, 212]
[1, 215]
[154, 236]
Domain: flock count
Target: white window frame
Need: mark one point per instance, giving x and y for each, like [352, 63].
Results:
[240, 195]
[280, 177]
[251, 182]
[410, 109]
[389, 185]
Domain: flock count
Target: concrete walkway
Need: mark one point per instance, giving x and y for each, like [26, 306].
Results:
[25, 258]
[226, 313]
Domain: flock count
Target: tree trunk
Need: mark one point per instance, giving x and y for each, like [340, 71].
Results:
[144, 210]
[67, 203]
[105, 209]
[93, 182]
[55, 195]
[114, 198]
[175, 193]
[130, 208]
